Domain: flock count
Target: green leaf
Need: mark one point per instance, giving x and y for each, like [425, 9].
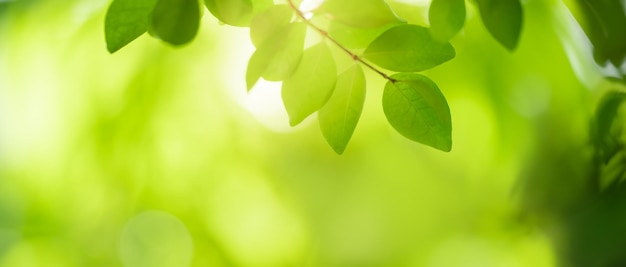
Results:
[360, 13]
[416, 108]
[603, 22]
[256, 66]
[408, 48]
[607, 141]
[503, 19]
[125, 21]
[236, 12]
[278, 58]
[411, 11]
[339, 117]
[265, 24]
[287, 53]
[446, 18]
[355, 37]
[176, 21]
[310, 87]
[231, 12]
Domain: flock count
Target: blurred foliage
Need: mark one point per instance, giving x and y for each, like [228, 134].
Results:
[603, 21]
[157, 156]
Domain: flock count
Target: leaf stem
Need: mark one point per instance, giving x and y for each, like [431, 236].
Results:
[327, 36]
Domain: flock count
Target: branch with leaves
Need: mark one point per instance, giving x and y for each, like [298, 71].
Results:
[312, 83]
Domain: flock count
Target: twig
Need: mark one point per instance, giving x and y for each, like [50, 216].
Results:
[327, 36]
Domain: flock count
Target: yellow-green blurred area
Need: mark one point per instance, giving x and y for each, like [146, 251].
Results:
[157, 156]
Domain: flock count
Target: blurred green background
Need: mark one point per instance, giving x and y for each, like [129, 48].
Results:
[156, 156]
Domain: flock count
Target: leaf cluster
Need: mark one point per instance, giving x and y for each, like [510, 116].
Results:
[607, 132]
[313, 82]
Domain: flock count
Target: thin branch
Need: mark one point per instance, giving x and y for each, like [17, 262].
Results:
[327, 36]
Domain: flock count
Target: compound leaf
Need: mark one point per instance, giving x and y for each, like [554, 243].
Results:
[176, 21]
[416, 108]
[311, 85]
[125, 21]
[503, 20]
[360, 13]
[339, 117]
[446, 18]
[408, 48]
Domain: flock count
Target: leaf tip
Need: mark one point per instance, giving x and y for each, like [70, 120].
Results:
[445, 141]
[338, 149]
[112, 49]
[510, 46]
[112, 44]
[294, 121]
[452, 52]
[444, 144]
[338, 146]
[250, 85]
[447, 147]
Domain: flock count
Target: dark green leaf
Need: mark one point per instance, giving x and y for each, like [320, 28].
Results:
[236, 12]
[176, 21]
[605, 119]
[408, 48]
[603, 22]
[416, 108]
[278, 58]
[310, 87]
[360, 13]
[446, 18]
[125, 21]
[265, 24]
[339, 117]
[503, 19]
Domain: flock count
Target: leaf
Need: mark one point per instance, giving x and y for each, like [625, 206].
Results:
[360, 13]
[416, 108]
[446, 18]
[231, 12]
[607, 142]
[256, 66]
[354, 37]
[267, 22]
[339, 117]
[603, 22]
[408, 48]
[503, 19]
[125, 21]
[278, 58]
[288, 52]
[310, 87]
[176, 21]
[412, 11]
[236, 12]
